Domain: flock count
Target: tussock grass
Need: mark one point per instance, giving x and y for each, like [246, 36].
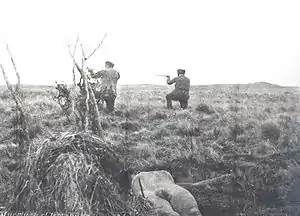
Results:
[75, 173]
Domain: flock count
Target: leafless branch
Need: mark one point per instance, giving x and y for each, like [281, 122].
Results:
[83, 55]
[19, 107]
[73, 70]
[86, 91]
[10, 88]
[74, 78]
[96, 112]
[96, 48]
[15, 68]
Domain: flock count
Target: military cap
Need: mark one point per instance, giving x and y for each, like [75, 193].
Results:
[181, 71]
[109, 63]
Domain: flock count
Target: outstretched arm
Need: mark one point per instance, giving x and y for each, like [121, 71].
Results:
[171, 81]
[98, 74]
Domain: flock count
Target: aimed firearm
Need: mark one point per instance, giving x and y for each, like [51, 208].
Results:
[163, 75]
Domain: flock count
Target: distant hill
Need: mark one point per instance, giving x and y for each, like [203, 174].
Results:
[264, 85]
[255, 85]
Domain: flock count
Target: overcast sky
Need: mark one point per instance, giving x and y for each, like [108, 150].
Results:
[216, 41]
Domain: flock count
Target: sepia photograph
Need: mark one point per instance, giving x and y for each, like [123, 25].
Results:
[150, 108]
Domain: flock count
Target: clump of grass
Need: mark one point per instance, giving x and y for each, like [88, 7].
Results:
[236, 130]
[184, 114]
[76, 173]
[159, 115]
[7, 179]
[264, 148]
[180, 128]
[202, 107]
[234, 108]
[268, 110]
[290, 192]
[187, 130]
[5, 95]
[292, 109]
[129, 125]
[160, 132]
[217, 132]
[163, 153]
[270, 131]
[35, 129]
[143, 150]
[143, 134]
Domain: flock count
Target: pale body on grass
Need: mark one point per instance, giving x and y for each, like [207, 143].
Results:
[167, 197]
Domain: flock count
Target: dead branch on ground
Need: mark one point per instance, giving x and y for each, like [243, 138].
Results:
[207, 182]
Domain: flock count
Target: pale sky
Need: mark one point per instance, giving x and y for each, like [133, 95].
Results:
[216, 41]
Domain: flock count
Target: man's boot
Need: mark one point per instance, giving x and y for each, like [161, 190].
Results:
[183, 104]
[169, 102]
[110, 104]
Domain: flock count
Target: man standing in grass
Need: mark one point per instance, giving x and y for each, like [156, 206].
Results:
[106, 89]
[181, 91]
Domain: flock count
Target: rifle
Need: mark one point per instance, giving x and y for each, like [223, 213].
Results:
[163, 75]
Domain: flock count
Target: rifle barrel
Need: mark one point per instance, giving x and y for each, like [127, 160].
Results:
[162, 75]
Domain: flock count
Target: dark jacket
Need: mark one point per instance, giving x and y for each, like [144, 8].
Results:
[182, 83]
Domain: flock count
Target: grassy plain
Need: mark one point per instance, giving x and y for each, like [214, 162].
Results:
[250, 130]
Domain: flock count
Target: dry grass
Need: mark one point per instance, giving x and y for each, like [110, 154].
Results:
[252, 133]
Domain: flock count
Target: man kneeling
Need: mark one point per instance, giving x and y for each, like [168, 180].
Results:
[181, 91]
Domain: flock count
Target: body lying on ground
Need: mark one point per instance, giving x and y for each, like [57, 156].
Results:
[167, 197]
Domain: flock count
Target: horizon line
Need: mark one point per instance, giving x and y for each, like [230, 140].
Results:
[143, 84]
